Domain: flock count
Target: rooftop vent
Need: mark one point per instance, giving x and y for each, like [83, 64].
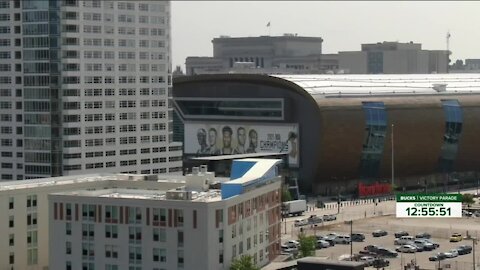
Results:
[440, 87]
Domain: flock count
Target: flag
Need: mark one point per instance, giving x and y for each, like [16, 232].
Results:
[268, 24]
[448, 35]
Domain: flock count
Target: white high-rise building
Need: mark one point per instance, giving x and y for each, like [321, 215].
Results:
[85, 87]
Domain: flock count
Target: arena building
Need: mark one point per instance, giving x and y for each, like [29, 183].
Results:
[339, 129]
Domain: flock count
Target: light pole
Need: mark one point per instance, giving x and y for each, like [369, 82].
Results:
[393, 161]
[351, 241]
[474, 242]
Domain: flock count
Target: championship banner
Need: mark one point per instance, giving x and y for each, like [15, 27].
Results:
[231, 139]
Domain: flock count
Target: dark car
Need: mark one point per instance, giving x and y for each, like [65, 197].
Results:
[400, 234]
[358, 237]
[464, 249]
[380, 263]
[379, 233]
[423, 235]
[371, 248]
[437, 257]
[387, 252]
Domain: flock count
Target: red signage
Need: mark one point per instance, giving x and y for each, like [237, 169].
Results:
[374, 189]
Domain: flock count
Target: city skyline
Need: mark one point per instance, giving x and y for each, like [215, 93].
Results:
[321, 19]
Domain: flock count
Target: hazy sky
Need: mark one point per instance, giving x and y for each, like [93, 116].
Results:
[343, 25]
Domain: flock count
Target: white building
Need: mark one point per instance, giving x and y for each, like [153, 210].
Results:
[25, 210]
[85, 87]
[188, 228]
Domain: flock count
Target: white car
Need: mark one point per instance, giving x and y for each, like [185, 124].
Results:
[322, 244]
[301, 222]
[407, 249]
[291, 244]
[452, 253]
[342, 239]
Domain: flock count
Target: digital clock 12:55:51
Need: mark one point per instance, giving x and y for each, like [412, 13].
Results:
[429, 205]
[429, 211]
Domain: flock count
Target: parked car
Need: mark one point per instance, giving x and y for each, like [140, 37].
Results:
[314, 219]
[322, 244]
[423, 235]
[438, 257]
[330, 239]
[379, 233]
[301, 222]
[423, 245]
[400, 234]
[385, 252]
[329, 217]
[292, 250]
[435, 244]
[371, 248]
[464, 249]
[407, 249]
[367, 260]
[358, 237]
[452, 253]
[291, 244]
[403, 240]
[466, 213]
[342, 239]
[456, 237]
[380, 263]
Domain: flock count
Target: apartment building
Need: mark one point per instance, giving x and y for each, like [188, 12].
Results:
[193, 227]
[24, 229]
[85, 87]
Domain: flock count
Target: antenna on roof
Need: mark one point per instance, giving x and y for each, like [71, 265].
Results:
[448, 50]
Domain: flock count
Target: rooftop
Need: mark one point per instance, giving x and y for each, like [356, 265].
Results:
[144, 194]
[335, 86]
[66, 180]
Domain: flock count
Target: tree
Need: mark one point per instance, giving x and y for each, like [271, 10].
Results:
[307, 245]
[468, 199]
[286, 196]
[245, 262]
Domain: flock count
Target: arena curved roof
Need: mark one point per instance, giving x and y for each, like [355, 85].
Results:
[335, 86]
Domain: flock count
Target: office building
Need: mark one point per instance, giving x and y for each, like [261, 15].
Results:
[85, 87]
[265, 54]
[393, 58]
[337, 129]
[192, 227]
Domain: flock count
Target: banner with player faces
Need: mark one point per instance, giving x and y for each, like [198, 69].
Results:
[230, 139]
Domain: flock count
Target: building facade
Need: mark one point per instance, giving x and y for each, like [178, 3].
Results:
[393, 58]
[190, 228]
[25, 227]
[265, 54]
[337, 129]
[85, 86]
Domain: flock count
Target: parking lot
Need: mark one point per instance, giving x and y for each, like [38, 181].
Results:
[440, 229]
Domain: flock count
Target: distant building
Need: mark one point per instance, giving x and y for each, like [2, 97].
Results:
[393, 58]
[470, 66]
[265, 54]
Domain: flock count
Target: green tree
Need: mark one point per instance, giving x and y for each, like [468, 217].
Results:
[307, 245]
[286, 196]
[467, 198]
[245, 262]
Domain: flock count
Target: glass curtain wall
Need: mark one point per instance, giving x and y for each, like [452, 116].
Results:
[41, 32]
[453, 129]
[374, 139]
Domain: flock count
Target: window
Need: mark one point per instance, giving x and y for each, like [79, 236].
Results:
[111, 231]
[180, 259]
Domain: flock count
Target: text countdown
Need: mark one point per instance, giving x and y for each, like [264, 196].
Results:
[429, 205]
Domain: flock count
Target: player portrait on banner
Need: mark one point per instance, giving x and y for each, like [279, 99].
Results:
[241, 139]
[212, 142]
[253, 141]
